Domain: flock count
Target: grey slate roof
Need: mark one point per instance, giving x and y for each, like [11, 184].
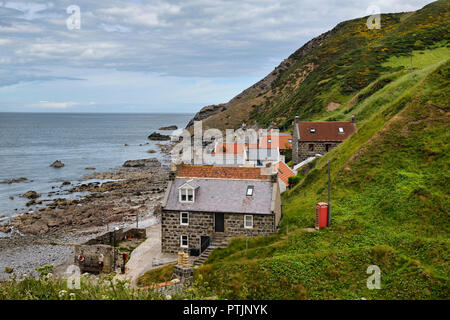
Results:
[223, 195]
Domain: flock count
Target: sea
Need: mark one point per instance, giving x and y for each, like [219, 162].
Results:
[30, 142]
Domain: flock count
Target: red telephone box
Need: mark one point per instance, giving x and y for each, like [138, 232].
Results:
[321, 215]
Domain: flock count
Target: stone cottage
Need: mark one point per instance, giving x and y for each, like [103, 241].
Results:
[209, 204]
[319, 137]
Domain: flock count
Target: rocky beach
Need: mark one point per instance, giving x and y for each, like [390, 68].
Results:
[118, 197]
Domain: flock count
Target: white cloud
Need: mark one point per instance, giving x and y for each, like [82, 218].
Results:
[30, 10]
[195, 38]
[146, 15]
[58, 105]
[114, 28]
[21, 28]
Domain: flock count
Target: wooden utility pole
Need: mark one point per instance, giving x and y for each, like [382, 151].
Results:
[246, 247]
[287, 231]
[329, 196]
[137, 221]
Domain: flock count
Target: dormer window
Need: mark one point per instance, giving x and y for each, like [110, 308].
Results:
[250, 191]
[341, 130]
[312, 130]
[186, 194]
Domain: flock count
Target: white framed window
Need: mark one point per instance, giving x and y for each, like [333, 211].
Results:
[269, 141]
[250, 191]
[341, 130]
[187, 195]
[184, 218]
[248, 222]
[184, 241]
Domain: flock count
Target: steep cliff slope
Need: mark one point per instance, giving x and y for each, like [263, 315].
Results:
[328, 71]
[390, 180]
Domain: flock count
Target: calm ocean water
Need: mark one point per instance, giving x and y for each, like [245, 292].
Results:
[29, 143]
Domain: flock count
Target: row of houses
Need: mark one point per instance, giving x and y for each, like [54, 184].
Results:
[205, 205]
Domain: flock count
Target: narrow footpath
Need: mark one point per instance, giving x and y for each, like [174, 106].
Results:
[146, 256]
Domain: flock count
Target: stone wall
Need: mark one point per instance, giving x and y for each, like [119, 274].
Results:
[119, 235]
[319, 147]
[263, 225]
[185, 275]
[93, 254]
[202, 224]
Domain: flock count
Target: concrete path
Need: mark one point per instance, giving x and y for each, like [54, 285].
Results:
[146, 256]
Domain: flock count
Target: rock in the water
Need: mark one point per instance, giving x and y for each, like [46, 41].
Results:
[172, 127]
[57, 164]
[14, 180]
[151, 151]
[152, 162]
[158, 137]
[31, 195]
[66, 183]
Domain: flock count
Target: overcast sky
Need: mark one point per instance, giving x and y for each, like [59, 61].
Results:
[154, 56]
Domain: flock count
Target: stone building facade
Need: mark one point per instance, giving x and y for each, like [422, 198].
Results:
[311, 138]
[226, 202]
[311, 148]
[201, 224]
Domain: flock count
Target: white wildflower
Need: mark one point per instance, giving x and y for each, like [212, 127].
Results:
[72, 296]
[62, 293]
[168, 296]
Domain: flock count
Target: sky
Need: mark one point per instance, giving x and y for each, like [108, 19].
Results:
[154, 56]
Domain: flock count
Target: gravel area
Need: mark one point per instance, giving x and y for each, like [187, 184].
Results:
[25, 253]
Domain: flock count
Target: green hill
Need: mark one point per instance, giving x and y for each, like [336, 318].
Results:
[331, 69]
[390, 180]
[390, 194]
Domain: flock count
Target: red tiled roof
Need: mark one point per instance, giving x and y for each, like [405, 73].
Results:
[284, 172]
[244, 173]
[325, 130]
[230, 148]
[277, 141]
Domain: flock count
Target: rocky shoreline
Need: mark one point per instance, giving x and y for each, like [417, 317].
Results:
[44, 236]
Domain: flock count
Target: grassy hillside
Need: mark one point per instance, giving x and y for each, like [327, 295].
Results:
[389, 208]
[327, 72]
[390, 194]
[390, 197]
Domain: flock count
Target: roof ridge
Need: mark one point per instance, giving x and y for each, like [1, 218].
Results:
[223, 178]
